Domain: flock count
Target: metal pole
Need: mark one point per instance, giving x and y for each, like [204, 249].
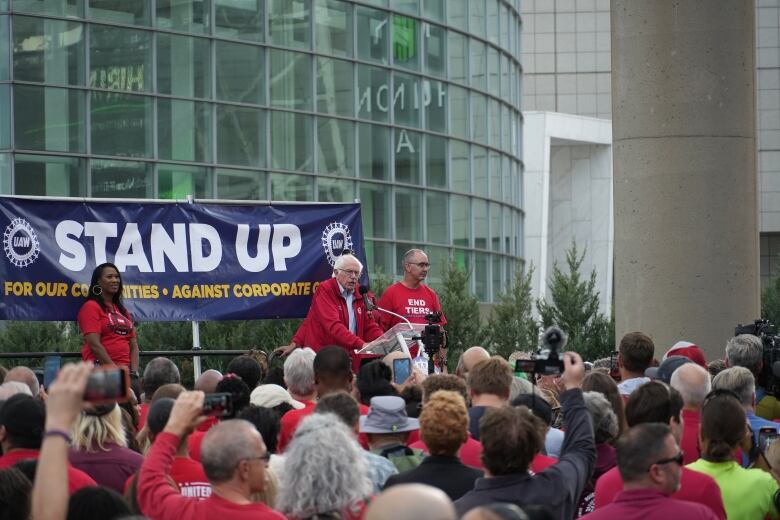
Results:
[195, 331]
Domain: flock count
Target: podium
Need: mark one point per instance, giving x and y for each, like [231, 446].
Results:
[396, 338]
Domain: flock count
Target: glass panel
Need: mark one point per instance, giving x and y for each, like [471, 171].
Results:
[380, 254]
[290, 80]
[435, 50]
[375, 208]
[242, 20]
[373, 93]
[494, 81]
[406, 42]
[5, 173]
[407, 156]
[49, 119]
[335, 190]
[49, 176]
[434, 97]
[477, 21]
[285, 186]
[459, 112]
[480, 171]
[176, 182]
[183, 66]
[495, 227]
[50, 51]
[495, 175]
[458, 57]
[407, 6]
[481, 276]
[335, 146]
[507, 231]
[479, 117]
[372, 34]
[506, 191]
[121, 179]
[506, 128]
[132, 12]
[478, 64]
[408, 214]
[239, 72]
[495, 123]
[5, 117]
[120, 59]
[505, 88]
[183, 130]
[241, 185]
[434, 9]
[121, 124]
[492, 21]
[289, 23]
[436, 161]
[334, 87]
[69, 8]
[291, 142]
[506, 19]
[461, 220]
[480, 208]
[183, 15]
[496, 275]
[4, 50]
[333, 26]
[373, 141]
[406, 100]
[459, 166]
[240, 136]
[456, 14]
[437, 217]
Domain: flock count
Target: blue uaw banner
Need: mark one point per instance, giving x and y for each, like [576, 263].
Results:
[177, 261]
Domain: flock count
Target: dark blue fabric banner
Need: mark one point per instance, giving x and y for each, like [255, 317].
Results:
[178, 261]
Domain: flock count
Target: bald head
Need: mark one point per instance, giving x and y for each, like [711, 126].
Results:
[410, 502]
[497, 511]
[470, 358]
[207, 382]
[11, 388]
[26, 376]
[693, 383]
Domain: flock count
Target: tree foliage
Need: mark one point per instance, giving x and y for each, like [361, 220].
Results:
[574, 307]
[380, 280]
[511, 325]
[770, 302]
[461, 307]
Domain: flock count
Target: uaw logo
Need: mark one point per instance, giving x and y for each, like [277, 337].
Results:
[336, 240]
[21, 243]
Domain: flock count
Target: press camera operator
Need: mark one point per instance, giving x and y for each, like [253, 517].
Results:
[747, 350]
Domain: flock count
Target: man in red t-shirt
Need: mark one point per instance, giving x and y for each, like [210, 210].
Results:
[693, 383]
[410, 297]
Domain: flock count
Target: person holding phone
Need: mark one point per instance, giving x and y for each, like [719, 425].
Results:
[107, 326]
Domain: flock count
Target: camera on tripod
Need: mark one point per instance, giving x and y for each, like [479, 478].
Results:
[766, 331]
[432, 335]
[547, 361]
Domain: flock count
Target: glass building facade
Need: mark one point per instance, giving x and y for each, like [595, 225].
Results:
[411, 106]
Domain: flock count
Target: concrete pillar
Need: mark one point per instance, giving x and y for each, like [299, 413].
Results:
[684, 129]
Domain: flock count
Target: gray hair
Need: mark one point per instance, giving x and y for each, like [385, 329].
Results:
[225, 445]
[158, 372]
[745, 350]
[299, 371]
[739, 380]
[325, 470]
[409, 254]
[341, 260]
[639, 448]
[521, 386]
[26, 376]
[605, 422]
[11, 388]
[693, 383]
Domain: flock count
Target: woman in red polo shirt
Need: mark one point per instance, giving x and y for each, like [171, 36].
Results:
[109, 334]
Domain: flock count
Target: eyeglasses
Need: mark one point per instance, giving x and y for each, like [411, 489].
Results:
[351, 272]
[265, 458]
[677, 458]
[421, 265]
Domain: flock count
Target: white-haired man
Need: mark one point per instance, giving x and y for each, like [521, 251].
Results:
[338, 314]
[693, 383]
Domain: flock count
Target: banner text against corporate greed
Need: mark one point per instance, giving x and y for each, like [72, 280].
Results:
[178, 261]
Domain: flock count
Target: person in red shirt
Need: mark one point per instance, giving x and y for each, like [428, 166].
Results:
[655, 402]
[22, 420]
[650, 464]
[693, 383]
[410, 297]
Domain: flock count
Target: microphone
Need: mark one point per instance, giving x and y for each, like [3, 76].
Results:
[364, 293]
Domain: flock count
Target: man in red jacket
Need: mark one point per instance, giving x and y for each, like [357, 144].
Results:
[338, 314]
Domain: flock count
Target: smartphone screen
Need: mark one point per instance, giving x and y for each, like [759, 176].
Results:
[525, 365]
[766, 436]
[218, 405]
[51, 367]
[402, 369]
[107, 385]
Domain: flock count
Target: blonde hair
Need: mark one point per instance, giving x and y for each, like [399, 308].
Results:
[95, 432]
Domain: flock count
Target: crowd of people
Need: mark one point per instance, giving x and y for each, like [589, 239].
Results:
[335, 433]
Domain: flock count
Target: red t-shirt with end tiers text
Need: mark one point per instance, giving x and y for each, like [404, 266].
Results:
[115, 330]
[413, 304]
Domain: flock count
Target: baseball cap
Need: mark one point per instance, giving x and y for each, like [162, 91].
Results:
[23, 416]
[269, 396]
[663, 372]
[387, 414]
[688, 350]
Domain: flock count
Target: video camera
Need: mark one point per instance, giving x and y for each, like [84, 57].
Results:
[766, 331]
[433, 337]
[547, 360]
